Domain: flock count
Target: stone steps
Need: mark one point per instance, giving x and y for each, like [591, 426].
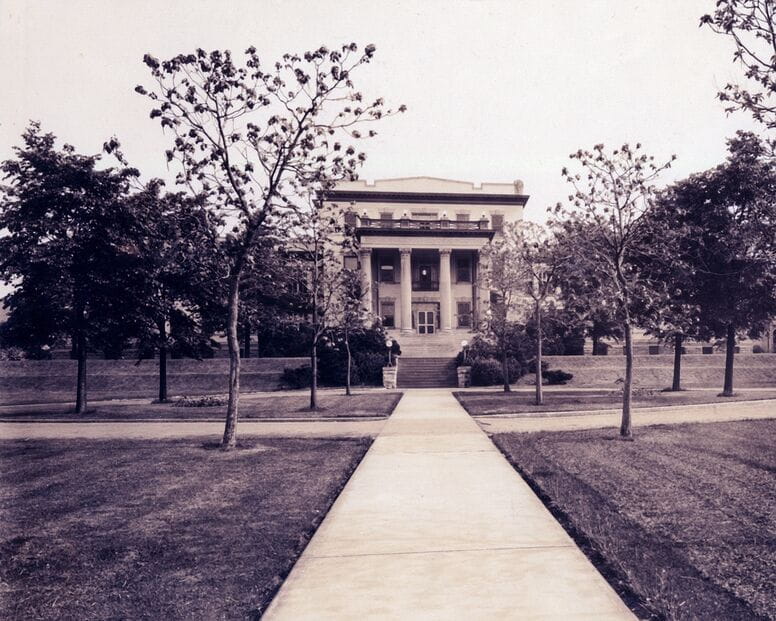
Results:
[427, 372]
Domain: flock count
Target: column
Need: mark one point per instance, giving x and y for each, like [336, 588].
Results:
[482, 290]
[365, 260]
[406, 290]
[445, 294]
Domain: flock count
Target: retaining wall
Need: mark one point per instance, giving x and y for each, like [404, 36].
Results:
[30, 381]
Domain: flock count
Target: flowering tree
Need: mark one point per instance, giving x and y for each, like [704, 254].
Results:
[751, 24]
[257, 137]
[607, 217]
[350, 313]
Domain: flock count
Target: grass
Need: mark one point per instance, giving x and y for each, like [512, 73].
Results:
[96, 529]
[570, 400]
[374, 404]
[682, 521]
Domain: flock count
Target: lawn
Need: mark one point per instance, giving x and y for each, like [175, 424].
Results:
[96, 529]
[372, 404]
[682, 521]
[486, 403]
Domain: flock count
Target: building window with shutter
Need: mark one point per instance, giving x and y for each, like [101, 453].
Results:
[464, 314]
[497, 222]
[388, 313]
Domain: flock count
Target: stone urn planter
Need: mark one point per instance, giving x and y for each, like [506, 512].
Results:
[389, 376]
[464, 377]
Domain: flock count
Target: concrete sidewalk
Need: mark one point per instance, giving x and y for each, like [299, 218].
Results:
[149, 430]
[435, 524]
[596, 419]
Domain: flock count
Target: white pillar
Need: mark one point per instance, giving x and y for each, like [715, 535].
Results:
[483, 292]
[365, 259]
[445, 293]
[406, 290]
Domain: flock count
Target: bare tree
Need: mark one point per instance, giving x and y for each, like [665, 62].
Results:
[256, 137]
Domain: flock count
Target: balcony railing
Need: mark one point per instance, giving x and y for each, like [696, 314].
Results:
[425, 285]
[425, 225]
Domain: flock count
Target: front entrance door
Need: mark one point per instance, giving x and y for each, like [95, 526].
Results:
[426, 322]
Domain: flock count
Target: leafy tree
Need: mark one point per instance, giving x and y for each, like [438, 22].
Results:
[751, 24]
[256, 138]
[320, 244]
[607, 218]
[505, 278]
[538, 263]
[351, 316]
[69, 246]
[176, 283]
[728, 218]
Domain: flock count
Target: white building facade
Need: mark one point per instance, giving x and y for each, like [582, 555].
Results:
[419, 246]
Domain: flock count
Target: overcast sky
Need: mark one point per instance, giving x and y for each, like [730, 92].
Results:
[495, 90]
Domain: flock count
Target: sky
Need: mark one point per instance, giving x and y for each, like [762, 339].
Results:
[495, 90]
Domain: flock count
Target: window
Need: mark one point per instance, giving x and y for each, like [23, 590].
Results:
[351, 262]
[463, 270]
[462, 217]
[497, 222]
[464, 314]
[424, 215]
[386, 269]
[388, 312]
[386, 215]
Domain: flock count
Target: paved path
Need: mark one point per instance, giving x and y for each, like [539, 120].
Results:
[700, 413]
[435, 524]
[151, 430]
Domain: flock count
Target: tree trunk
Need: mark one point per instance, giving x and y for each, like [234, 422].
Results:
[246, 340]
[596, 344]
[162, 363]
[232, 409]
[347, 376]
[505, 369]
[80, 392]
[314, 377]
[677, 383]
[625, 425]
[730, 350]
[539, 395]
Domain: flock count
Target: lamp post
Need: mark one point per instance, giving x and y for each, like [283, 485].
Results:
[389, 345]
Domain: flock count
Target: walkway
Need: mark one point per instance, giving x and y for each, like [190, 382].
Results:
[670, 415]
[435, 524]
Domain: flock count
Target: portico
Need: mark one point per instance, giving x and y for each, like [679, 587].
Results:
[420, 242]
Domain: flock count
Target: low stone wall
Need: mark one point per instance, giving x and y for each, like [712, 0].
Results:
[698, 370]
[29, 381]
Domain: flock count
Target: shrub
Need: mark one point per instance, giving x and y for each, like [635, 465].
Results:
[200, 402]
[758, 349]
[296, 378]
[12, 353]
[487, 371]
[557, 376]
[370, 367]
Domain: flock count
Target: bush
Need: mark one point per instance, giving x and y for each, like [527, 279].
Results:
[296, 378]
[487, 371]
[557, 376]
[369, 366]
[758, 349]
[12, 353]
[200, 402]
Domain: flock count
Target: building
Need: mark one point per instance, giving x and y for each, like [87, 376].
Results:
[419, 246]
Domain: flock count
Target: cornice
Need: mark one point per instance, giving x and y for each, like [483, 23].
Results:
[358, 196]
